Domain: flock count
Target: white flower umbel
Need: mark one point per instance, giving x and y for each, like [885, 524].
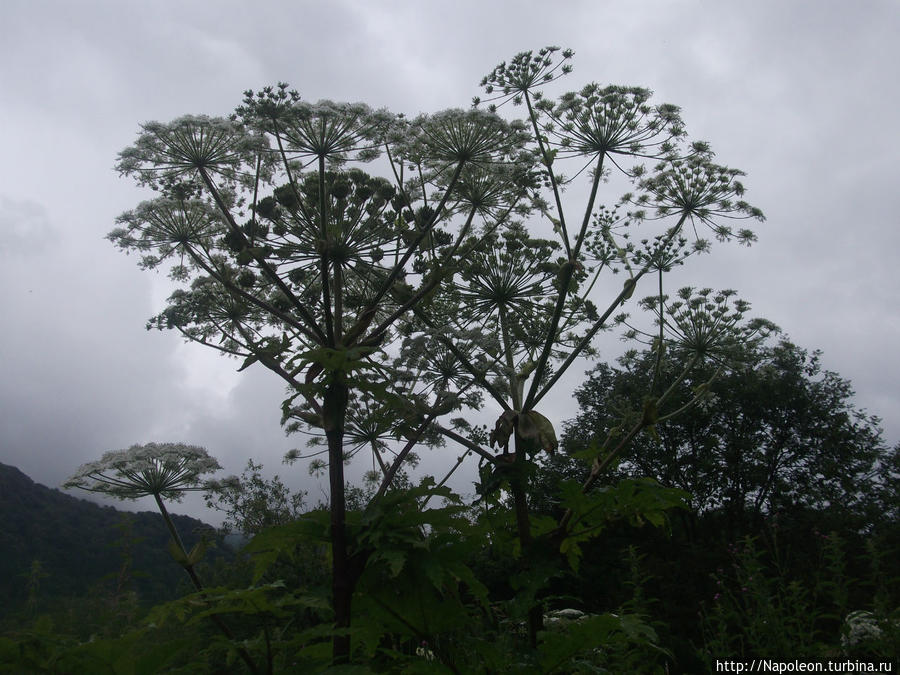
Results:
[161, 470]
[859, 627]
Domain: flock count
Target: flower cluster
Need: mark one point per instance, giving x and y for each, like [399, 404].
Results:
[524, 73]
[702, 323]
[168, 153]
[166, 227]
[859, 627]
[697, 189]
[424, 652]
[490, 191]
[513, 272]
[331, 131]
[459, 137]
[267, 107]
[613, 120]
[162, 470]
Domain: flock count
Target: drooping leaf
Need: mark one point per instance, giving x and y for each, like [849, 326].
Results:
[537, 429]
[503, 429]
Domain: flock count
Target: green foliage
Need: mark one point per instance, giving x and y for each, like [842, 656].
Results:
[400, 548]
[251, 503]
[292, 542]
[599, 644]
[761, 612]
[774, 433]
[636, 501]
[41, 649]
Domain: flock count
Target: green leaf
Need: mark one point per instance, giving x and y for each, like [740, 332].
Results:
[580, 639]
[589, 453]
[537, 429]
[341, 359]
[197, 552]
[177, 553]
[394, 559]
[249, 361]
[636, 501]
[650, 413]
[349, 669]
[281, 540]
[503, 429]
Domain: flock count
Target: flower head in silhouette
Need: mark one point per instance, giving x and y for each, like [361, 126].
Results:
[156, 469]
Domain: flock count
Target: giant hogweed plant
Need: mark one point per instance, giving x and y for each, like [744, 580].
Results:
[289, 255]
[467, 254]
[532, 297]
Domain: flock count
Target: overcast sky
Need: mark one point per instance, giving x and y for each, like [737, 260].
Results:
[803, 96]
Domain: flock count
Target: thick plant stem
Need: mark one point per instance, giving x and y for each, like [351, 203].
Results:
[519, 487]
[189, 568]
[334, 410]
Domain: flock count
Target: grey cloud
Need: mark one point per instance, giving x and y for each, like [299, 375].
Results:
[802, 96]
[24, 227]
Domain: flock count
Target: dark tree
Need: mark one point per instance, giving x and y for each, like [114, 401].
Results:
[776, 434]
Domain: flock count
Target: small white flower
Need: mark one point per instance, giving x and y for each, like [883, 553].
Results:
[424, 652]
[860, 626]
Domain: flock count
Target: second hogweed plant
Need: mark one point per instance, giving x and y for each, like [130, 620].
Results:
[162, 471]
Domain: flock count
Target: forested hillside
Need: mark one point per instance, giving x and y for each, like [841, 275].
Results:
[58, 547]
